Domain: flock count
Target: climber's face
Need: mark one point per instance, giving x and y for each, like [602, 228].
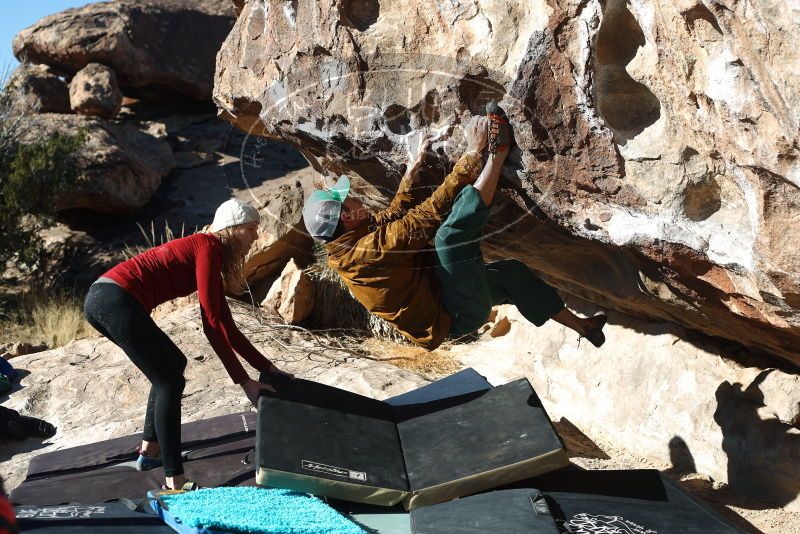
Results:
[354, 213]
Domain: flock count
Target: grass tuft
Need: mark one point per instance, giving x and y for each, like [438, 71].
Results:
[152, 239]
[432, 364]
[38, 317]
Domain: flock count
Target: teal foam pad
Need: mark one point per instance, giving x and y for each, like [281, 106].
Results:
[250, 510]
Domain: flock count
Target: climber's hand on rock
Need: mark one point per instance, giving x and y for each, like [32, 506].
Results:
[476, 132]
[423, 147]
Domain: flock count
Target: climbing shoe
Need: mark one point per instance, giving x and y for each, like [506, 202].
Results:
[5, 384]
[595, 333]
[500, 138]
[10, 425]
[146, 463]
[187, 486]
[37, 428]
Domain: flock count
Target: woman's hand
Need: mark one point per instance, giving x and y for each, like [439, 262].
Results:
[275, 371]
[253, 389]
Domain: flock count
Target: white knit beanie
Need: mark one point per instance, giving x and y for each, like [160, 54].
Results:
[233, 212]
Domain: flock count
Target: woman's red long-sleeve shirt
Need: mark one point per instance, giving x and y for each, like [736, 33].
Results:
[179, 268]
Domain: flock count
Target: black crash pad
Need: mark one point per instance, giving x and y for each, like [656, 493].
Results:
[330, 442]
[216, 451]
[580, 502]
[103, 518]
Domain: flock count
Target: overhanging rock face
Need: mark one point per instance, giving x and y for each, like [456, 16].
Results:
[656, 168]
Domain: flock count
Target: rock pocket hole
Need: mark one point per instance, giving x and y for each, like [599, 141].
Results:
[398, 119]
[702, 199]
[700, 15]
[427, 110]
[476, 91]
[359, 14]
[402, 120]
[627, 106]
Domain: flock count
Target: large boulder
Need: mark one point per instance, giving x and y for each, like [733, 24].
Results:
[156, 47]
[657, 166]
[94, 91]
[120, 166]
[38, 89]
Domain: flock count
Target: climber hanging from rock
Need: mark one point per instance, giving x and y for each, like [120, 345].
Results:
[379, 256]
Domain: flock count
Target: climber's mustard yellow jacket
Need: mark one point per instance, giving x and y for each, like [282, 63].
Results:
[384, 267]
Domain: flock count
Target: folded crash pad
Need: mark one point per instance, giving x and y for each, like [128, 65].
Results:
[252, 510]
[580, 502]
[327, 441]
[216, 451]
[102, 518]
[395, 519]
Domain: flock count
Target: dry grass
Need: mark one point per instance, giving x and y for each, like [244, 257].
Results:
[54, 320]
[432, 364]
[152, 239]
[335, 307]
[332, 346]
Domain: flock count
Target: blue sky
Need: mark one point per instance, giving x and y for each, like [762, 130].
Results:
[20, 14]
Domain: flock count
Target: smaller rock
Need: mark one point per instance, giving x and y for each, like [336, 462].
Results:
[501, 328]
[94, 91]
[120, 166]
[11, 350]
[38, 89]
[777, 391]
[291, 295]
[489, 324]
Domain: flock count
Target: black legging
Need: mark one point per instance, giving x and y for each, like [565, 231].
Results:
[120, 318]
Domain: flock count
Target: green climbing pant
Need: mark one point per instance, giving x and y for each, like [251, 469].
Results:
[471, 287]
